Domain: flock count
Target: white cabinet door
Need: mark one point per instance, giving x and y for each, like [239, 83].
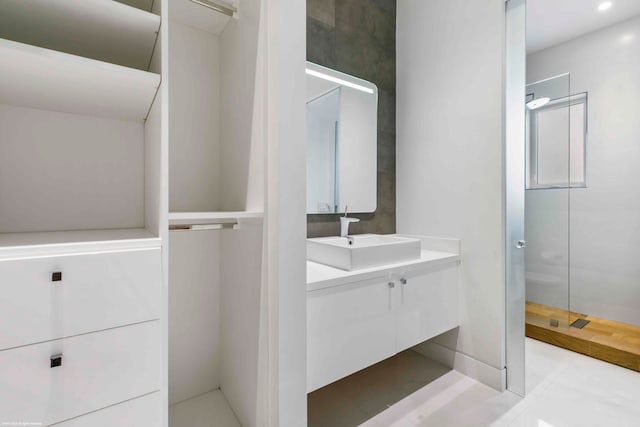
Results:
[97, 370]
[349, 327]
[144, 411]
[95, 291]
[429, 304]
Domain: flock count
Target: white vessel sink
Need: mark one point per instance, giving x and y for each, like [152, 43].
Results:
[366, 250]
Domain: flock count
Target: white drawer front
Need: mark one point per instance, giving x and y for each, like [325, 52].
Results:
[144, 411]
[429, 305]
[97, 291]
[98, 370]
[348, 328]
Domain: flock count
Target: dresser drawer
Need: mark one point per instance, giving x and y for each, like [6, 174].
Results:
[97, 370]
[94, 292]
[144, 411]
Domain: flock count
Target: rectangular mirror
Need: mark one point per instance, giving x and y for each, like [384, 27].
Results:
[342, 140]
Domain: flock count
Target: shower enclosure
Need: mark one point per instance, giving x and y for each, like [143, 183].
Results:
[582, 197]
[549, 169]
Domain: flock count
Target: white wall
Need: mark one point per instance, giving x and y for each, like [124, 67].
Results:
[242, 114]
[239, 304]
[286, 221]
[194, 93]
[43, 185]
[605, 216]
[450, 157]
[194, 313]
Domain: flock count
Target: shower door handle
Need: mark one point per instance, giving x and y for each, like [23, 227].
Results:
[520, 244]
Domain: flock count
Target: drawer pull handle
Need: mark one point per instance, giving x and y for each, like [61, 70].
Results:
[56, 360]
[56, 276]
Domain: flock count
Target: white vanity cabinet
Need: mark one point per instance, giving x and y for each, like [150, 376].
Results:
[428, 304]
[349, 327]
[355, 320]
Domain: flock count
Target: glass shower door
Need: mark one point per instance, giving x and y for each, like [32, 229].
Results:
[547, 202]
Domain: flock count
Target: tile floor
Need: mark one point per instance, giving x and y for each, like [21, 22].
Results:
[564, 389]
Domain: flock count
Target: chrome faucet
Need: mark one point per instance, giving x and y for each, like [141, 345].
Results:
[344, 224]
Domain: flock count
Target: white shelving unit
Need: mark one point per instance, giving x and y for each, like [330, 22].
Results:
[56, 242]
[80, 134]
[202, 410]
[118, 120]
[108, 31]
[182, 218]
[82, 212]
[198, 15]
[145, 5]
[44, 79]
[216, 182]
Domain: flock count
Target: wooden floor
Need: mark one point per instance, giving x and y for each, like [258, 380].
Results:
[603, 339]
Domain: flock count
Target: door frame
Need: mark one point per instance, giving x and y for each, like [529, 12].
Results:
[514, 179]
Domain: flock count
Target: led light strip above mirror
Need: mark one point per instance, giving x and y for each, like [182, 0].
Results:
[338, 81]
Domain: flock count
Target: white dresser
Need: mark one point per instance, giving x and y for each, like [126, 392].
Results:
[80, 334]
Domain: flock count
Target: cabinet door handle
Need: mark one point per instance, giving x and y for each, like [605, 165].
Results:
[56, 276]
[403, 281]
[391, 285]
[56, 360]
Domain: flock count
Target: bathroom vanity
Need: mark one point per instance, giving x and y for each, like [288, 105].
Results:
[360, 317]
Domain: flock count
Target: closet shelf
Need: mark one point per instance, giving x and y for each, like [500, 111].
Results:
[140, 4]
[51, 242]
[44, 79]
[189, 218]
[104, 30]
[211, 16]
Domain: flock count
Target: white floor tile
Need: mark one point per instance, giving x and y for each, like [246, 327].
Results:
[564, 389]
[207, 410]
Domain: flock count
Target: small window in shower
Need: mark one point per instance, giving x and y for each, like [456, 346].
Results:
[557, 141]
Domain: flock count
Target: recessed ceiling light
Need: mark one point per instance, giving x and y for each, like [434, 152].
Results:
[605, 6]
[627, 38]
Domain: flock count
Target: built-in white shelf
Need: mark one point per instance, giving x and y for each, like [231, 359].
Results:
[52, 242]
[206, 410]
[49, 80]
[184, 218]
[99, 29]
[197, 14]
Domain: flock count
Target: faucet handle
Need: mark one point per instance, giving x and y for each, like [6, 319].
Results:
[346, 209]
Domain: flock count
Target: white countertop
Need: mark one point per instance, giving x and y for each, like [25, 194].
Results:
[320, 276]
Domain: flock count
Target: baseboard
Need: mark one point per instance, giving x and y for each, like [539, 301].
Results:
[466, 365]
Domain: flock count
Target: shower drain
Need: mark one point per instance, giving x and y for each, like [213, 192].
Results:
[580, 323]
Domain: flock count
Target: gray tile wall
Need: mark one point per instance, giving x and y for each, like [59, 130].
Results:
[358, 37]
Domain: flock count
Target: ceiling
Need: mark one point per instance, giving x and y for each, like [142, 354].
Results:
[551, 22]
